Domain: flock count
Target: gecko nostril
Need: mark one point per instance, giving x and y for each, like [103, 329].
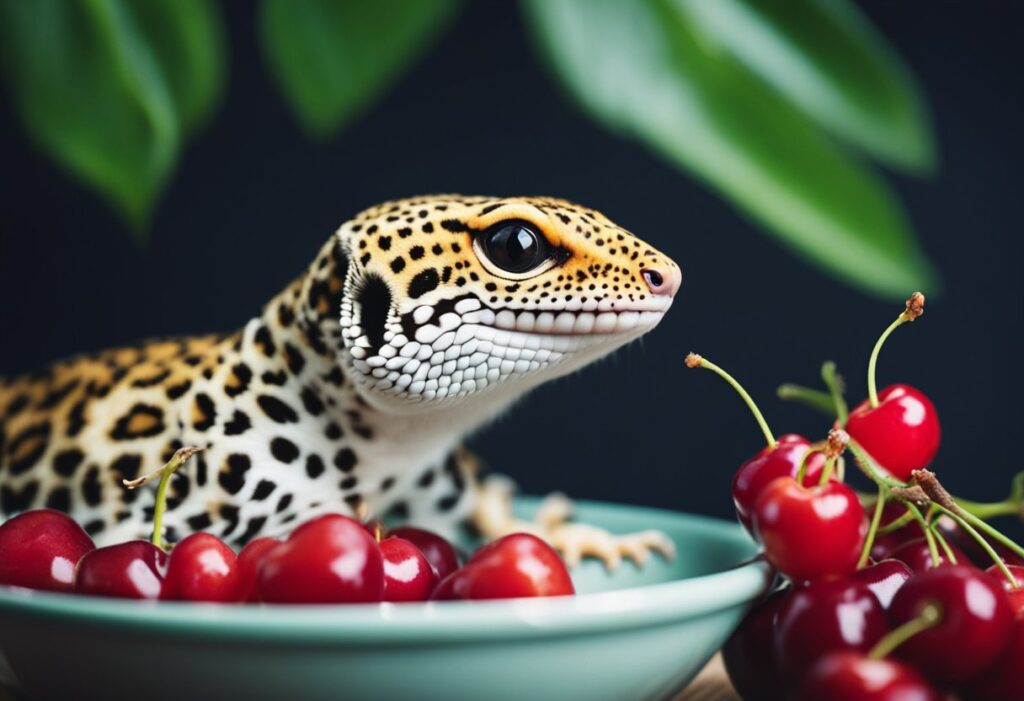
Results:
[653, 278]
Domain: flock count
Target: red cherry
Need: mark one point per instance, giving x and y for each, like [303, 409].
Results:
[131, 570]
[202, 568]
[330, 559]
[975, 626]
[810, 532]
[1014, 593]
[1008, 556]
[518, 565]
[408, 575]
[39, 550]
[884, 579]
[851, 676]
[826, 616]
[749, 652]
[248, 563]
[780, 460]
[438, 551]
[918, 557]
[902, 433]
[1003, 681]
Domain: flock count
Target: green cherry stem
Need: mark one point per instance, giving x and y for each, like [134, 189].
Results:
[834, 447]
[866, 464]
[944, 544]
[914, 309]
[989, 550]
[835, 390]
[905, 519]
[814, 398]
[876, 519]
[989, 510]
[695, 361]
[929, 617]
[180, 457]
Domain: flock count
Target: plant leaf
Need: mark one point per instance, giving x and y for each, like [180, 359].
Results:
[330, 59]
[827, 59]
[640, 69]
[95, 95]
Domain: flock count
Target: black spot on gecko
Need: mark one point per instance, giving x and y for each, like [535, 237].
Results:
[277, 410]
[423, 282]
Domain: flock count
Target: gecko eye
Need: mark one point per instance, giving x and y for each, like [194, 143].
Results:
[515, 247]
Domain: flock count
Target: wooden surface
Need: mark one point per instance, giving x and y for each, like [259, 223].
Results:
[710, 685]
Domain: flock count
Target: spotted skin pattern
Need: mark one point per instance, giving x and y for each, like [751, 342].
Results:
[354, 386]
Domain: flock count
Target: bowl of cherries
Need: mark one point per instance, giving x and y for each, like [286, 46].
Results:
[344, 608]
[900, 593]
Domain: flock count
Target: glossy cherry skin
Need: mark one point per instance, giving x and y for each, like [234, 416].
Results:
[131, 570]
[516, 566]
[851, 676]
[902, 433]
[438, 551]
[202, 568]
[749, 653]
[975, 627]
[826, 616]
[408, 575]
[810, 532]
[884, 579]
[1015, 594]
[1003, 681]
[247, 564]
[780, 460]
[39, 550]
[917, 556]
[328, 560]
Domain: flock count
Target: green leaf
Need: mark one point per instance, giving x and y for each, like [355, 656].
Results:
[107, 88]
[827, 59]
[330, 59]
[639, 68]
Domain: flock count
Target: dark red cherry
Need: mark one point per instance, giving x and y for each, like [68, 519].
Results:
[408, 575]
[518, 565]
[132, 570]
[810, 532]
[1008, 556]
[749, 653]
[884, 579]
[248, 563]
[1003, 681]
[902, 433]
[1015, 594]
[852, 676]
[202, 568]
[39, 550]
[975, 626]
[330, 559]
[780, 460]
[438, 551]
[918, 557]
[826, 616]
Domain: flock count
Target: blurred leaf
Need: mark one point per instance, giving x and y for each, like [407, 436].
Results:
[826, 58]
[640, 69]
[105, 87]
[332, 58]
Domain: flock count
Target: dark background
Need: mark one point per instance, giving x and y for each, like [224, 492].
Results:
[254, 199]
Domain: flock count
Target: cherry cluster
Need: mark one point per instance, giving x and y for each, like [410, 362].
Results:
[329, 559]
[904, 594]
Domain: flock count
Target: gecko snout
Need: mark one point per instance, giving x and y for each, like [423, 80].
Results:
[663, 281]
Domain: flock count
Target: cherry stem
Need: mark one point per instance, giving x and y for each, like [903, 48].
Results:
[1013, 505]
[801, 472]
[180, 457]
[991, 532]
[989, 550]
[693, 360]
[835, 389]
[866, 464]
[876, 519]
[905, 519]
[814, 398]
[930, 616]
[914, 308]
[944, 544]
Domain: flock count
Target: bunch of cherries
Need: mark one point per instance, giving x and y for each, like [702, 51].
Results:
[329, 559]
[884, 597]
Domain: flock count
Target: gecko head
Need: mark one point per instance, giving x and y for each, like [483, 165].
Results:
[451, 299]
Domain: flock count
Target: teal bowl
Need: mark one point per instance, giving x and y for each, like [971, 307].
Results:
[633, 634]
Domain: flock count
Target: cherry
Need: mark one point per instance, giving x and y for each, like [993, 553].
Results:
[329, 559]
[901, 432]
[917, 556]
[130, 570]
[826, 616]
[851, 676]
[1003, 681]
[884, 579]
[518, 565]
[39, 550]
[408, 575]
[749, 652]
[202, 568]
[810, 532]
[1008, 556]
[438, 551]
[1014, 593]
[783, 459]
[974, 627]
[248, 563]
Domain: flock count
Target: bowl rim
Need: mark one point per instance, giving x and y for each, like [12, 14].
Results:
[634, 607]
